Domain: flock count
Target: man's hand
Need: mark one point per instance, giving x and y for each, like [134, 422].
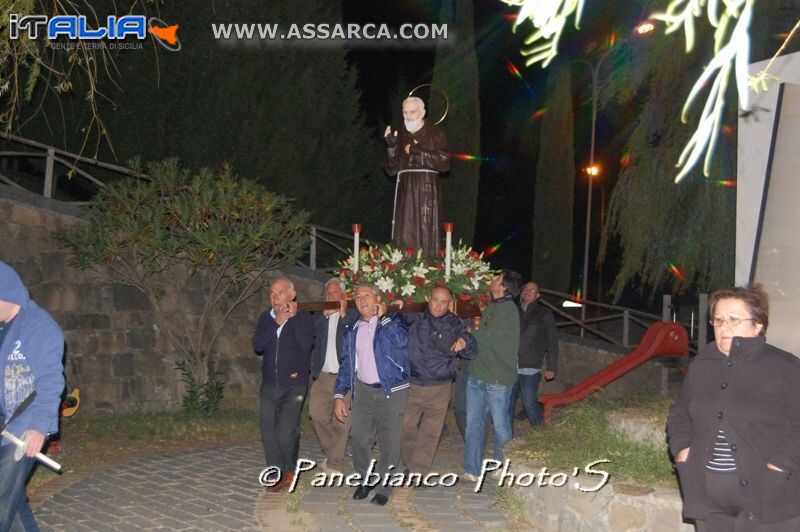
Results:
[389, 136]
[458, 345]
[407, 148]
[380, 309]
[549, 375]
[284, 312]
[35, 442]
[397, 303]
[339, 409]
[682, 456]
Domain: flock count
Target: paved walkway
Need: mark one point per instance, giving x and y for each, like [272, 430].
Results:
[217, 489]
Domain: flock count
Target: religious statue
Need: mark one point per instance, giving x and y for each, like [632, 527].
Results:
[416, 154]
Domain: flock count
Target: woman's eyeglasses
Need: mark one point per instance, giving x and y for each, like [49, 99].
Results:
[717, 321]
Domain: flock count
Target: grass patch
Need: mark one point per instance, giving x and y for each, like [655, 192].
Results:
[507, 499]
[579, 434]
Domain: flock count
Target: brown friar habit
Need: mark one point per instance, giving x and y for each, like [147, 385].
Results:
[417, 217]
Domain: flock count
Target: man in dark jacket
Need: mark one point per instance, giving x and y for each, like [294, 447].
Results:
[374, 369]
[328, 336]
[31, 351]
[284, 338]
[538, 343]
[436, 338]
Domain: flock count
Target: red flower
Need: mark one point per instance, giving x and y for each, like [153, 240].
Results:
[373, 265]
[469, 273]
[389, 296]
[389, 266]
[409, 300]
[439, 266]
[419, 281]
[483, 298]
[342, 272]
[464, 297]
[409, 250]
[441, 252]
[373, 252]
[439, 283]
[474, 254]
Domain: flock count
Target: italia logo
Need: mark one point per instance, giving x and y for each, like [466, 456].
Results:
[77, 27]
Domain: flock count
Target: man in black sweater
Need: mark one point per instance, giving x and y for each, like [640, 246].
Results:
[284, 338]
[538, 343]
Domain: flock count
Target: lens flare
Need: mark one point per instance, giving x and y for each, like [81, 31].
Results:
[723, 182]
[472, 158]
[513, 70]
[674, 270]
[539, 113]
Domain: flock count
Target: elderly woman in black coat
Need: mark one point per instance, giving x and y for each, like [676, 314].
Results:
[735, 429]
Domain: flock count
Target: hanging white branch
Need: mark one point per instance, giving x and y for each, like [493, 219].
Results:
[731, 48]
[731, 55]
[548, 18]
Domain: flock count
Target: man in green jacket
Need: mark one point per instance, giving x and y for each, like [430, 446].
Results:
[493, 373]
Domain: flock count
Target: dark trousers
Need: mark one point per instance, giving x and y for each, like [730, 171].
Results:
[280, 424]
[529, 386]
[15, 512]
[727, 512]
[377, 418]
[460, 398]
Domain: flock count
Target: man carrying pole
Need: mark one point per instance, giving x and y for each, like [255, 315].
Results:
[31, 353]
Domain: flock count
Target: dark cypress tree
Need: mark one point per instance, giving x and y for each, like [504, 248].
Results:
[555, 184]
[456, 73]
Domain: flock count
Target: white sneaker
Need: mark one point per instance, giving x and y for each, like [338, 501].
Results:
[469, 477]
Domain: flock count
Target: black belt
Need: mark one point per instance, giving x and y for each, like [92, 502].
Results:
[376, 385]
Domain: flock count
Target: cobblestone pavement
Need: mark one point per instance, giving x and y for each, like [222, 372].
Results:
[217, 489]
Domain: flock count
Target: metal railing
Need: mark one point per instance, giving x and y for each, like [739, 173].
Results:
[332, 240]
[53, 156]
[630, 323]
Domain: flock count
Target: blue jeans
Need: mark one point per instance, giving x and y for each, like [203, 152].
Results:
[484, 400]
[529, 385]
[15, 512]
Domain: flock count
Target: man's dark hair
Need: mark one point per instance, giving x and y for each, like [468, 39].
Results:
[512, 281]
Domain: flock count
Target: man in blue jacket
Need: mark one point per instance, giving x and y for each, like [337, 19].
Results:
[283, 339]
[375, 370]
[31, 353]
[437, 338]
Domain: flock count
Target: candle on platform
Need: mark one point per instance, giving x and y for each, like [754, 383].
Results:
[448, 249]
[356, 235]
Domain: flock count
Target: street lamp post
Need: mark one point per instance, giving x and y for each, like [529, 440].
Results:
[593, 171]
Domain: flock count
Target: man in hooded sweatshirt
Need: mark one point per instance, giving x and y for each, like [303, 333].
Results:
[31, 353]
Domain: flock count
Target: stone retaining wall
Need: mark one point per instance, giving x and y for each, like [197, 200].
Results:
[617, 506]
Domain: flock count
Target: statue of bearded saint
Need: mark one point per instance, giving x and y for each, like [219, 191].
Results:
[417, 154]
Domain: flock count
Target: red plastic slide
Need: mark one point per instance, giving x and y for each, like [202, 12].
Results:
[660, 339]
